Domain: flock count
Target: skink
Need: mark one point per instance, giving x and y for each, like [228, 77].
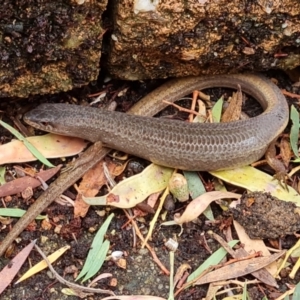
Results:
[173, 143]
[237, 140]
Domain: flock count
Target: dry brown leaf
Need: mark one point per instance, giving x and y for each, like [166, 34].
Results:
[212, 290]
[46, 224]
[234, 109]
[119, 169]
[20, 184]
[12, 268]
[265, 274]
[199, 204]
[274, 162]
[285, 151]
[90, 185]
[240, 268]
[80, 207]
[25, 171]
[180, 271]
[252, 246]
[152, 199]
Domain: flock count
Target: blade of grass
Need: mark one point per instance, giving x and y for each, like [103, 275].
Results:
[16, 213]
[100, 258]
[96, 245]
[2, 175]
[196, 188]
[28, 145]
[214, 259]
[217, 110]
[297, 292]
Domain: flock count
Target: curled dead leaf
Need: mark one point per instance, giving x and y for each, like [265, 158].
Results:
[199, 204]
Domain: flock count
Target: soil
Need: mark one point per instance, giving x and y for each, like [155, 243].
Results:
[266, 217]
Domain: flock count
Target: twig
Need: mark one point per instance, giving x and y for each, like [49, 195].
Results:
[181, 108]
[129, 210]
[237, 282]
[292, 95]
[188, 284]
[193, 105]
[155, 217]
[155, 258]
[70, 284]
[293, 171]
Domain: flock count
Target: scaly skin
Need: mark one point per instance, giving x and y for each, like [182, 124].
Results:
[176, 144]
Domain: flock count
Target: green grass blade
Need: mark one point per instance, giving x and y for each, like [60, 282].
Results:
[2, 175]
[96, 245]
[16, 213]
[217, 110]
[28, 145]
[296, 295]
[100, 258]
[214, 259]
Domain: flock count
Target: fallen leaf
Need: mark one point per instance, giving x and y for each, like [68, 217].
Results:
[234, 108]
[12, 268]
[180, 271]
[213, 259]
[196, 188]
[50, 146]
[42, 264]
[2, 175]
[217, 110]
[239, 268]
[34, 151]
[90, 185]
[133, 190]
[20, 184]
[15, 213]
[253, 179]
[201, 117]
[199, 204]
[285, 151]
[97, 253]
[251, 245]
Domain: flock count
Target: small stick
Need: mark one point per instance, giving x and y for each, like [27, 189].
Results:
[70, 284]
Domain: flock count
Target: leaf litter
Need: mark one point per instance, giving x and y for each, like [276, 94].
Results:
[50, 145]
[268, 186]
[20, 184]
